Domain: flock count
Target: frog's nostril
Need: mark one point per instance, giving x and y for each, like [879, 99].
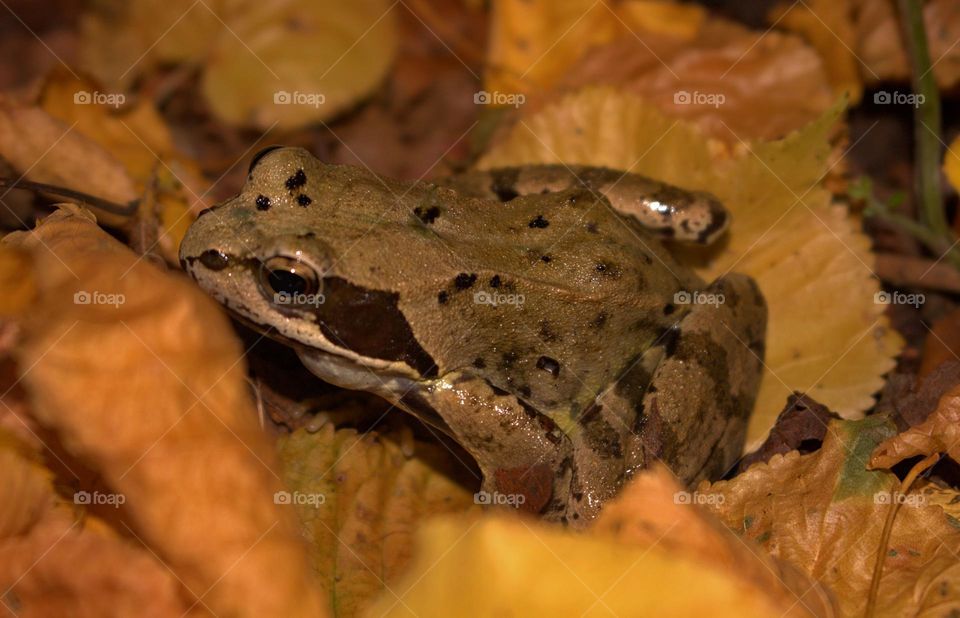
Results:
[214, 259]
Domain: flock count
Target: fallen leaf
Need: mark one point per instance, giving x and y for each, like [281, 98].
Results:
[360, 499]
[499, 566]
[828, 25]
[728, 80]
[262, 64]
[878, 45]
[801, 426]
[940, 433]
[824, 513]
[655, 510]
[140, 376]
[804, 253]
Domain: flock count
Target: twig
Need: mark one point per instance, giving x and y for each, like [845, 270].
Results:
[124, 210]
[926, 119]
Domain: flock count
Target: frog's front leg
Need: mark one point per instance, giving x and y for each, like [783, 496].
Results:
[525, 459]
[694, 413]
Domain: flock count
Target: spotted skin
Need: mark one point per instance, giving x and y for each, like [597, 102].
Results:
[539, 330]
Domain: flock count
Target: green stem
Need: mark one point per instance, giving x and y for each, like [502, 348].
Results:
[926, 119]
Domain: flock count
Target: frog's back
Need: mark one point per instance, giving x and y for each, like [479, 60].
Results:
[550, 297]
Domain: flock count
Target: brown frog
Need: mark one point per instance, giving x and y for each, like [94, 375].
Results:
[531, 314]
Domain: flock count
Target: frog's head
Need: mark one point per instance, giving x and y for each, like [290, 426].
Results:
[269, 256]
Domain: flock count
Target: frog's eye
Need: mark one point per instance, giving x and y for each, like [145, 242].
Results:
[286, 278]
[260, 155]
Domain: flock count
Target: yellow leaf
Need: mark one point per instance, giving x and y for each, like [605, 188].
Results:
[807, 255]
[363, 500]
[139, 375]
[824, 513]
[499, 566]
[263, 64]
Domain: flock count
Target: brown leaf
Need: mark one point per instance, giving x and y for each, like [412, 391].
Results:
[940, 433]
[140, 376]
[824, 513]
[801, 422]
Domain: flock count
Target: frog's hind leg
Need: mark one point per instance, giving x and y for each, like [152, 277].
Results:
[695, 411]
[663, 210]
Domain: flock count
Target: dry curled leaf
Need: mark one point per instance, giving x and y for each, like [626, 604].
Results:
[364, 497]
[805, 253]
[939, 433]
[139, 376]
[824, 513]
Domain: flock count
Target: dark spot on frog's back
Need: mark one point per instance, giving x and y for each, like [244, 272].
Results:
[369, 322]
[465, 281]
[538, 222]
[263, 202]
[296, 181]
[303, 200]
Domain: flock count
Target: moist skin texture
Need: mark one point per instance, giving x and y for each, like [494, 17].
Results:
[531, 314]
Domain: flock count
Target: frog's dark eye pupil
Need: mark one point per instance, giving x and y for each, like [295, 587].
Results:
[260, 155]
[286, 282]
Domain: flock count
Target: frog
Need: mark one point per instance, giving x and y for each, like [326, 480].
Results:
[534, 315]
